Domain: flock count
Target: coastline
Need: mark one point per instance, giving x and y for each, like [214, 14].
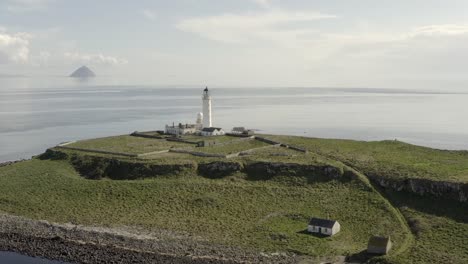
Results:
[88, 244]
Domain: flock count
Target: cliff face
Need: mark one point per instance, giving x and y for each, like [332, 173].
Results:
[271, 169]
[218, 169]
[94, 167]
[452, 190]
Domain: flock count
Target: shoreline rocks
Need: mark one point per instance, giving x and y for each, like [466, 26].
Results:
[87, 244]
[7, 163]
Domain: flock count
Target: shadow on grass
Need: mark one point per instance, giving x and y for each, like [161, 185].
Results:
[430, 205]
[305, 232]
[359, 257]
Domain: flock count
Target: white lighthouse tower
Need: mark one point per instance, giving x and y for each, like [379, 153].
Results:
[206, 108]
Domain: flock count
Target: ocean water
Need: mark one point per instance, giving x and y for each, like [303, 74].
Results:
[37, 115]
[15, 258]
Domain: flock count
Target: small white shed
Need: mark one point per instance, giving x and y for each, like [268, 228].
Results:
[323, 226]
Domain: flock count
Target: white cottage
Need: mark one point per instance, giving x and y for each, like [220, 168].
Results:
[323, 226]
[212, 131]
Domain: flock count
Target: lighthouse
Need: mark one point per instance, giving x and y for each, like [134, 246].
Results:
[206, 108]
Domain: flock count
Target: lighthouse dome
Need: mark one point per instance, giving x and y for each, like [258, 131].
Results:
[200, 115]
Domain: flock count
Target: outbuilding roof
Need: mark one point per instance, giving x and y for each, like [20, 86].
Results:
[322, 222]
[378, 241]
[238, 129]
[210, 129]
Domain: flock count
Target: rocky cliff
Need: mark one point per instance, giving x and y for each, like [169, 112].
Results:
[452, 190]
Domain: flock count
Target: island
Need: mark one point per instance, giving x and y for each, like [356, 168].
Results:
[150, 196]
[83, 72]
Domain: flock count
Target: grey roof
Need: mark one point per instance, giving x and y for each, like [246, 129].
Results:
[322, 222]
[378, 241]
[210, 129]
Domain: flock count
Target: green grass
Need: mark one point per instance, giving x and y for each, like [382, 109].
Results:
[264, 215]
[439, 240]
[233, 147]
[440, 227]
[128, 144]
[389, 158]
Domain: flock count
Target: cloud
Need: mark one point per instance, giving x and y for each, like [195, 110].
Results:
[93, 59]
[262, 3]
[18, 6]
[440, 30]
[14, 48]
[271, 25]
[148, 14]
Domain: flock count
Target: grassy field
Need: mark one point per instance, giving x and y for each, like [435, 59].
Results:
[268, 215]
[235, 147]
[128, 144]
[441, 229]
[265, 215]
[389, 158]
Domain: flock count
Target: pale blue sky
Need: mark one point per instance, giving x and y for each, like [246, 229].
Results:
[348, 43]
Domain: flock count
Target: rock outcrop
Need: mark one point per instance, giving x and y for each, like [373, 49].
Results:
[451, 190]
[271, 169]
[217, 169]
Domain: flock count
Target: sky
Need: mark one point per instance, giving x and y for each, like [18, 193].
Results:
[295, 43]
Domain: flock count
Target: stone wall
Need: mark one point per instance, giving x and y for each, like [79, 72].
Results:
[143, 135]
[98, 151]
[272, 142]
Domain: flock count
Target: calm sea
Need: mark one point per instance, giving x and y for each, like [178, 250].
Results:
[37, 115]
[14, 258]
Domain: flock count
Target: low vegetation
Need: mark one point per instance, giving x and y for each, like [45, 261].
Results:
[389, 158]
[235, 147]
[240, 209]
[265, 215]
[128, 144]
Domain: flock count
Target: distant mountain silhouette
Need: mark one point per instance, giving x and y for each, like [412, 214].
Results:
[83, 72]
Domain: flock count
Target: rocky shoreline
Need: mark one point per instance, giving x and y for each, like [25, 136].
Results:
[7, 163]
[86, 244]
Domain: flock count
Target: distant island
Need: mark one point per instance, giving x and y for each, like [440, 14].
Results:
[83, 72]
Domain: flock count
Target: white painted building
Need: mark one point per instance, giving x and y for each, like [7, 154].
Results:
[203, 125]
[212, 131]
[181, 129]
[199, 122]
[323, 226]
[207, 122]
